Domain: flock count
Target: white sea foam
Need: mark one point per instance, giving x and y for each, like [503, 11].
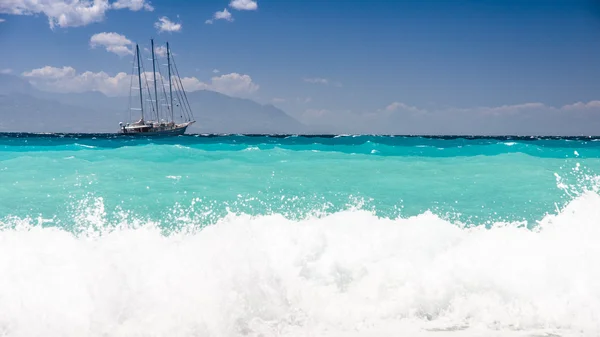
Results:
[85, 146]
[345, 274]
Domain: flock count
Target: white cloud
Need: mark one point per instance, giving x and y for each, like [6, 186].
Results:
[401, 106]
[112, 42]
[244, 5]
[233, 84]
[515, 107]
[2, 20]
[51, 73]
[222, 15]
[193, 84]
[509, 109]
[134, 5]
[241, 5]
[161, 51]
[582, 106]
[216, 71]
[6, 71]
[165, 25]
[69, 13]
[66, 79]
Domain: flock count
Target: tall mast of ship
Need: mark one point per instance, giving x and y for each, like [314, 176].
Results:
[170, 87]
[137, 51]
[154, 75]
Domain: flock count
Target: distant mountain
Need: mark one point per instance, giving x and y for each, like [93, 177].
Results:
[25, 109]
[14, 84]
[218, 113]
[25, 113]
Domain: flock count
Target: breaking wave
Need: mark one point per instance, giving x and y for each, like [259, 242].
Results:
[349, 273]
[97, 270]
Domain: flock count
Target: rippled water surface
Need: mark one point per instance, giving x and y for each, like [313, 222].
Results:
[299, 235]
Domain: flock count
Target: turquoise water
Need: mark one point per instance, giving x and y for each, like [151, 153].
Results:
[394, 234]
[475, 181]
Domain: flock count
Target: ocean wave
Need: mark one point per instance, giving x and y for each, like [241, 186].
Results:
[341, 274]
[85, 146]
[357, 144]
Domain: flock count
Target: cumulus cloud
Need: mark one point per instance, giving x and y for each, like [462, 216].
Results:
[240, 5]
[233, 84]
[400, 106]
[161, 51]
[244, 5]
[216, 71]
[165, 25]
[112, 42]
[51, 73]
[2, 20]
[193, 84]
[582, 106]
[510, 109]
[134, 5]
[66, 80]
[221, 15]
[69, 13]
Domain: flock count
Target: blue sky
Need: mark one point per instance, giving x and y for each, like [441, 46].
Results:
[332, 57]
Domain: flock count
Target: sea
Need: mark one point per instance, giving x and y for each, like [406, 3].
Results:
[270, 235]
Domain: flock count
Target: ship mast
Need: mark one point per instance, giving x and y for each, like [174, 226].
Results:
[154, 75]
[137, 50]
[170, 87]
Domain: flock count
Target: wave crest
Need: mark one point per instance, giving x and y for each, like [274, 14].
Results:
[340, 274]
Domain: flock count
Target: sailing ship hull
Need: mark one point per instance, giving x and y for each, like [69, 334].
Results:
[159, 127]
[176, 131]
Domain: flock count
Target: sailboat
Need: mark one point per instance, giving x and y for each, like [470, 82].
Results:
[157, 116]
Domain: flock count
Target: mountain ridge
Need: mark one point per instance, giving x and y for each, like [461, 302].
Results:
[92, 111]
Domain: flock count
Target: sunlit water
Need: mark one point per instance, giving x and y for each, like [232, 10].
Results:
[299, 236]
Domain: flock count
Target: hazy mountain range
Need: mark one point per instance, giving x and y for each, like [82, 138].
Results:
[26, 109]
